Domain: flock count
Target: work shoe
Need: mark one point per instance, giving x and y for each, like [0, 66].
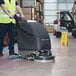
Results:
[15, 56]
[1, 54]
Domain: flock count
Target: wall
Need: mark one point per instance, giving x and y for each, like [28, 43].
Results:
[51, 6]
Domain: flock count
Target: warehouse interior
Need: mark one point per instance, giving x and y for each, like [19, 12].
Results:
[62, 34]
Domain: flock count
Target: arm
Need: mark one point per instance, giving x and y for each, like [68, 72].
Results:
[19, 10]
[5, 10]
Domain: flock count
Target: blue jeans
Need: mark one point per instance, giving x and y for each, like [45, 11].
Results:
[10, 28]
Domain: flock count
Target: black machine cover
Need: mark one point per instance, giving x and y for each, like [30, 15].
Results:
[32, 36]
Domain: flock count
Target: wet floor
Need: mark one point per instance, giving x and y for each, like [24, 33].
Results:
[64, 65]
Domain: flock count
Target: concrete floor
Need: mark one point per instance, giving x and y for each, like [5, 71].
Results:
[64, 65]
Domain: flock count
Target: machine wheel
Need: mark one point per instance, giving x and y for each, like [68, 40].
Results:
[45, 56]
[74, 33]
[58, 34]
[30, 57]
[74, 36]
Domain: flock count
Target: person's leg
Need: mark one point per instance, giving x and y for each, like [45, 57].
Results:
[2, 34]
[11, 34]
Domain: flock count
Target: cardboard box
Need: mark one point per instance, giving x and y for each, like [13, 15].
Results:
[29, 13]
[50, 29]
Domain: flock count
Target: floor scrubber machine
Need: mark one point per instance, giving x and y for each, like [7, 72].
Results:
[33, 41]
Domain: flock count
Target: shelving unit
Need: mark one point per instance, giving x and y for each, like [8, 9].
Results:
[33, 9]
[39, 10]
